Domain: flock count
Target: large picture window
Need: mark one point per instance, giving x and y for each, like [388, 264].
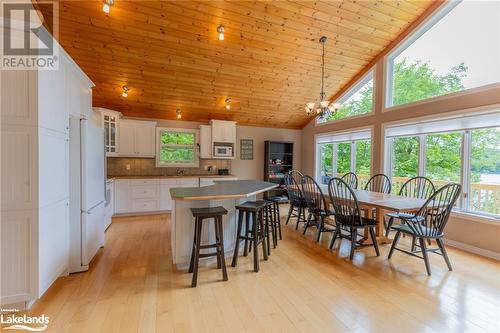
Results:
[446, 55]
[176, 148]
[343, 153]
[357, 101]
[450, 151]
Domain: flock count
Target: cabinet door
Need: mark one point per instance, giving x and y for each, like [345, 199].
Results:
[205, 141]
[145, 139]
[55, 98]
[127, 138]
[122, 196]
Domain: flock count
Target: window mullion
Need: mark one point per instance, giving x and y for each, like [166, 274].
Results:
[353, 157]
[422, 140]
[334, 159]
[466, 170]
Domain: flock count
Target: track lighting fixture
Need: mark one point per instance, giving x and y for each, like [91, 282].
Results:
[178, 112]
[228, 103]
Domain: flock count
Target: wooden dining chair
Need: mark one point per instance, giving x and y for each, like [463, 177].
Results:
[429, 223]
[379, 183]
[298, 203]
[416, 187]
[351, 179]
[348, 214]
[297, 176]
[316, 206]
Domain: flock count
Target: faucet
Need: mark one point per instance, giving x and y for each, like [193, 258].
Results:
[179, 172]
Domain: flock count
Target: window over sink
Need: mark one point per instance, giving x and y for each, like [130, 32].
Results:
[177, 147]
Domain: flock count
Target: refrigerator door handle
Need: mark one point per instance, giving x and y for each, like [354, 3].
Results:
[89, 211]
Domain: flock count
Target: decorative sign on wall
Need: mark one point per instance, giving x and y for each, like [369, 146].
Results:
[246, 149]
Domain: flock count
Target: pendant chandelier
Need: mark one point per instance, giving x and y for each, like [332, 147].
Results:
[322, 108]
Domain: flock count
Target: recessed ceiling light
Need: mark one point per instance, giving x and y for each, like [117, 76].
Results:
[178, 112]
[125, 91]
[220, 30]
[106, 5]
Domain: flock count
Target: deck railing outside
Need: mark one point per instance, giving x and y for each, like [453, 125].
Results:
[483, 197]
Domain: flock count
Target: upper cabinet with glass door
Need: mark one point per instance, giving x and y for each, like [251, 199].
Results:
[110, 120]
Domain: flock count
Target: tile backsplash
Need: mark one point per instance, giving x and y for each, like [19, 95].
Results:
[117, 166]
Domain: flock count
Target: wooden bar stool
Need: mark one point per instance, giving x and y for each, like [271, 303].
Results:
[254, 211]
[201, 214]
[276, 201]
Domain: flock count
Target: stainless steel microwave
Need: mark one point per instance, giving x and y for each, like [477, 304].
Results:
[223, 151]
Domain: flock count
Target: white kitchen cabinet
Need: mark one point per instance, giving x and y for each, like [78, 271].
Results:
[223, 131]
[205, 141]
[137, 138]
[54, 106]
[147, 195]
[34, 229]
[122, 196]
[145, 132]
[109, 121]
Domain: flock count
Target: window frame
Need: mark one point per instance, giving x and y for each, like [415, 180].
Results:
[353, 89]
[349, 136]
[466, 155]
[388, 103]
[195, 146]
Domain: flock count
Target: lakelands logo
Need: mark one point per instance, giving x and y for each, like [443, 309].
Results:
[26, 40]
[24, 322]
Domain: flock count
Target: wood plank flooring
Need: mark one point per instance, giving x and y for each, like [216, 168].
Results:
[132, 287]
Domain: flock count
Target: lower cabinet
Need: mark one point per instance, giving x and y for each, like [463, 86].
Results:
[147, 195]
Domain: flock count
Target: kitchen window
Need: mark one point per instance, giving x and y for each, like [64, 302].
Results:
[464, 150]
[176, 147]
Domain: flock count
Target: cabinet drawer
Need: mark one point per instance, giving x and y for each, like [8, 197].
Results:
[142, 192]
[145, 205]
[139, 182]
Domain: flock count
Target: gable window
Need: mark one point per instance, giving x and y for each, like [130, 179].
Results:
[338, 154]
[464, 150]
[458, 49]
[176, 147]
[356, 101]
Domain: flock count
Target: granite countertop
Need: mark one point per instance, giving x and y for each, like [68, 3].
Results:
[232, 189]
[171, 177]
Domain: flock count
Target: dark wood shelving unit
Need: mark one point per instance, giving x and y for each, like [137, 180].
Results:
[278, 161]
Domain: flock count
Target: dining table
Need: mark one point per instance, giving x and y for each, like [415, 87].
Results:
[381, 203]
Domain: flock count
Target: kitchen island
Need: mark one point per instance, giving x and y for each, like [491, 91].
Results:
[227, 194]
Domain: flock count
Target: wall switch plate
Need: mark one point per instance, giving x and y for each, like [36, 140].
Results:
[127, 167]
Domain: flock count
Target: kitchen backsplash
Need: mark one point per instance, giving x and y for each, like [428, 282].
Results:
[117, 166]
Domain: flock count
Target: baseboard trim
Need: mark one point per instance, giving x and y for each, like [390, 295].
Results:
[473, 249]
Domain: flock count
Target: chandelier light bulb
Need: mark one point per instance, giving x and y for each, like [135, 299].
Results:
[336, 106]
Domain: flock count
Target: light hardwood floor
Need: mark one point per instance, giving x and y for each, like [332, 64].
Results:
[132, 287]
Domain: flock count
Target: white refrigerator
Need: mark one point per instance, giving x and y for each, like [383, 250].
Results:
[87, 192]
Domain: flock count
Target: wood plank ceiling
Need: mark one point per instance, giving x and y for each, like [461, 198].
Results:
[168, 54]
